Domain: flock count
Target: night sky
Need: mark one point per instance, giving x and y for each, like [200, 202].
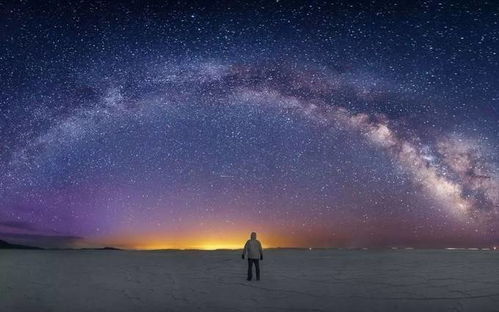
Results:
[190, 124]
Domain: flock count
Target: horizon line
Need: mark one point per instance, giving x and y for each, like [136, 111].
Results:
[386, 247]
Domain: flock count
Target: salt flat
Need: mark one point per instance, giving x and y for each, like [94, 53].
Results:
[292, 280]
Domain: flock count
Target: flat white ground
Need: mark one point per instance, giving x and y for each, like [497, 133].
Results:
[292, 280]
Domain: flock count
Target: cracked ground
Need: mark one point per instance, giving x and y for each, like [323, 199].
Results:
[292, 280]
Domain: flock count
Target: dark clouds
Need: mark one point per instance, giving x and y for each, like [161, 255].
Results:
[20, 232]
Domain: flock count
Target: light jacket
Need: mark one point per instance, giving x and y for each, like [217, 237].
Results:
[253, 249]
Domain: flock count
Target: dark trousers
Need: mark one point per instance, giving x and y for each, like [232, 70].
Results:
[250, 268]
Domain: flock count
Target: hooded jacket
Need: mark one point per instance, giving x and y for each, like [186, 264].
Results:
[253, 249]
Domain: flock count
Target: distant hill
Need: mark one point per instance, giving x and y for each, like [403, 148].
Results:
[5, 245]
[104, 248]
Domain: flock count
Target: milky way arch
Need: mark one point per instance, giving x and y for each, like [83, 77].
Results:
[452, 170]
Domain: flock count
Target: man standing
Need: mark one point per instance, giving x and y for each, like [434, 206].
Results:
[253, 250]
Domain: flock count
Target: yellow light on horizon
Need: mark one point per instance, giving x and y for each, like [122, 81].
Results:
[197, 240]
[204, 246]
[214, 246]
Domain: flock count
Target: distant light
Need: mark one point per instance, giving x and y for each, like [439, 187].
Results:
[494, 247]
[309, 248]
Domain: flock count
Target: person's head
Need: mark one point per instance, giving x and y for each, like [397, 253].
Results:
[253, 235]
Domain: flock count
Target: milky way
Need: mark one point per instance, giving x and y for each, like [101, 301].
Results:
[189, 126]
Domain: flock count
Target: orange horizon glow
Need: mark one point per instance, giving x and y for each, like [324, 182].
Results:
[210, 235]
[199, 241]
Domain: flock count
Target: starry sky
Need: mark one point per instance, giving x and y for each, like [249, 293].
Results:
[163, 124]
